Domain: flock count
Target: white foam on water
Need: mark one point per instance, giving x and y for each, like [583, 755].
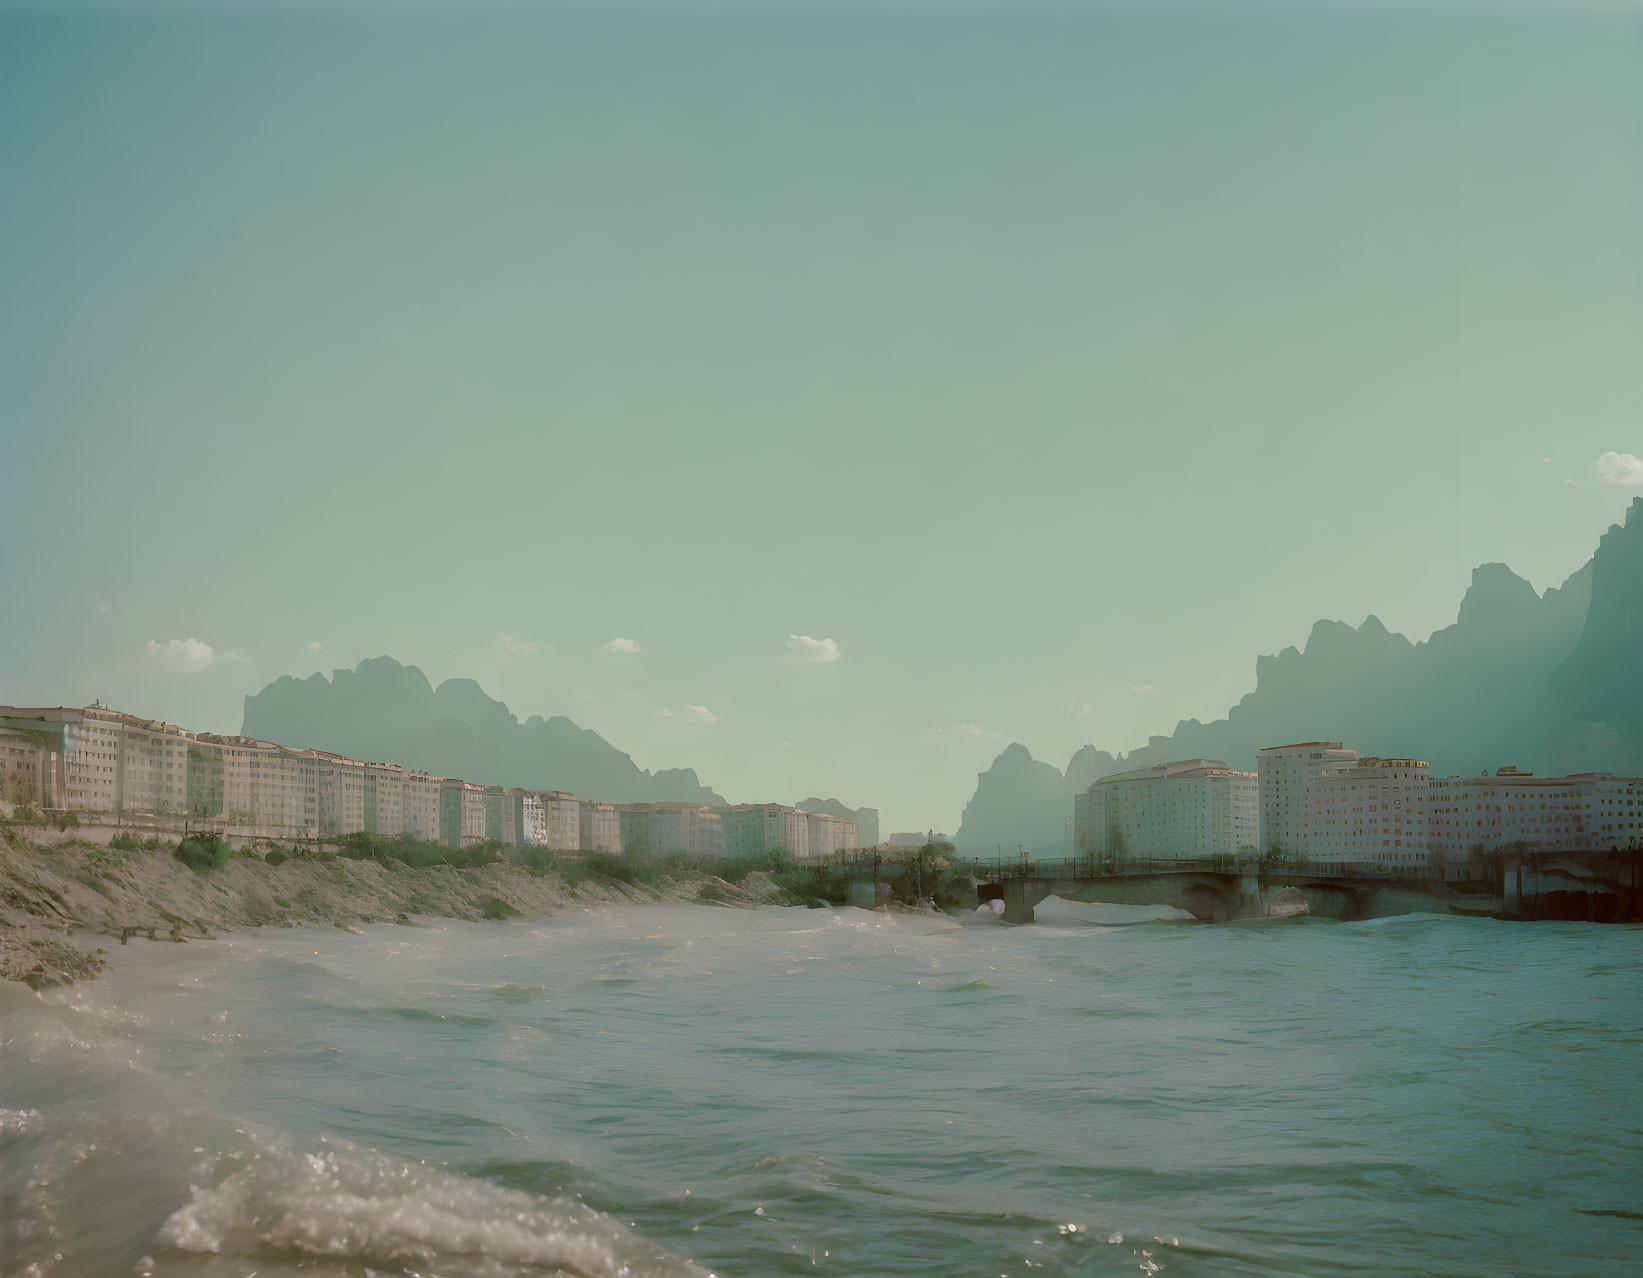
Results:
[331, 1199]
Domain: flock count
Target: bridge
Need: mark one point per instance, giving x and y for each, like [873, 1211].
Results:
[1597, 885]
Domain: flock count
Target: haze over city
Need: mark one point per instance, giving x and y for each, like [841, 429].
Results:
[995, 381]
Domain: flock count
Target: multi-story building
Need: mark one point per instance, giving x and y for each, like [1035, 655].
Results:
[500, 825]
[1187, 809]
[1468, 817]
[751, 829]
[450, 811]
[1285, 772]
[384, 799]
[1374, 811]
[598, 826]
[473, 814]
[419, 809]
[25, 762]
[564, 821]
[533, 819]
[826, 834]
[94, 760]
[339, 783]
[665, 828]
[867, 827]
[242, 781]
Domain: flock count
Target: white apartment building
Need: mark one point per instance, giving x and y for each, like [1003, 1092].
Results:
[340, 786]
[1188, 809]
[95, 760]
[1285, 772]
[533, 819]
[419, 807]
[755, 828]
[1479, 815]
[24, 765]
[826, 834]
[665, 828]
[384, 799]
[1374, 811]
[564, 821]
[242, 781]
[472, 828]
[598, 826]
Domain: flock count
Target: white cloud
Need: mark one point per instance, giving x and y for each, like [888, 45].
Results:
[178, 656]
[1140, 689]
[817, 651]
[621, 645]
[1568, 481]
[507, 646]
[105, 607]
[1624, 469]
[688, 714]
[1545, 461]
[965, 732]
[787, 745]
[1084, 709]
[315, 646]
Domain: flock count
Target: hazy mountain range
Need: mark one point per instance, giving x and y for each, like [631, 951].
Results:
[1550, 682]
[388, 712]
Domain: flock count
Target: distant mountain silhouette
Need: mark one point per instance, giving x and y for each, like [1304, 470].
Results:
[1547, 682]
[383, 711]
[866, 819]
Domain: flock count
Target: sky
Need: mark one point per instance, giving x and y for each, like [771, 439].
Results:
[818, 399]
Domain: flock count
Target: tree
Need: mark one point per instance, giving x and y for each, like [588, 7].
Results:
[929, 861]
[1118, 846]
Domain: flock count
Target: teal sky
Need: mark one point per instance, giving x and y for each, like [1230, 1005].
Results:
[1053, 363]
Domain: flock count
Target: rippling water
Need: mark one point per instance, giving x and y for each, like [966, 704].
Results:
[675, 1090]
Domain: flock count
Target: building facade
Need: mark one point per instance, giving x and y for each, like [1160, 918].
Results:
[598, 826]
[1285, 772]
[1190, 809]
[1374, 811]
[1470, 817]
[826, 834]
[564, 821]
[753, 829]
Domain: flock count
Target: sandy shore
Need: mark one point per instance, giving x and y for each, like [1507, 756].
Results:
[52, 896]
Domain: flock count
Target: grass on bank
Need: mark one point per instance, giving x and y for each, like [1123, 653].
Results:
[207, 853]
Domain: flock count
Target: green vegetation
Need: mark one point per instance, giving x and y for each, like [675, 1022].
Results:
[203, 853]
[275, 857]
[494, 907]
[406, 849]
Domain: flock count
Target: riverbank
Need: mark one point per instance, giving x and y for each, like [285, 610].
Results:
[51, 892]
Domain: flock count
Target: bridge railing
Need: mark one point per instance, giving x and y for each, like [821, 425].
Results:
[1097, 866]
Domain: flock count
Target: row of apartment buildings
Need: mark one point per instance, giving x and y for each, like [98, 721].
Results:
[97, 761]
[1319, 799]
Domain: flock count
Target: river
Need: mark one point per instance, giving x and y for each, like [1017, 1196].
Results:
[683, 1090]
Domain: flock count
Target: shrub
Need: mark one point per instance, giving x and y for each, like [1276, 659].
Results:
[485, 852]
[494, 907]
[275, 857]
[634, 867]
[537, 861]
[203, 853]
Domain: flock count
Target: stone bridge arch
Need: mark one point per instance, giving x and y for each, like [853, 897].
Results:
[1322, 899]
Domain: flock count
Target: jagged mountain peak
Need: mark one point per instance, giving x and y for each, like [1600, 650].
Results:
[385, 710]
[1504, 683]
[1496, 595]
